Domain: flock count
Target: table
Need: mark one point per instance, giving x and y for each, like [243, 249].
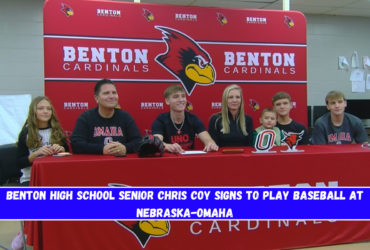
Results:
[343, 165]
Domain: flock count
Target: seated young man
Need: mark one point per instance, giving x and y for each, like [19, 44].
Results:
[177, 128]
[338, 127]
[282, 104]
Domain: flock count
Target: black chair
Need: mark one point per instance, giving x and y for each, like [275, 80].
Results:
[8, 168]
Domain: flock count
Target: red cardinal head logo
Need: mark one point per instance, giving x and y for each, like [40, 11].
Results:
[289, 21]
[145, 229]
[254, 105]
[66, 10]
[186, 60]
[292, 139]
[189, 106]
[148, 15]
[221, 18]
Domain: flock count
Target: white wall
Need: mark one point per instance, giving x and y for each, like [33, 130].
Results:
[21, 50]
[21, 47]
[327, 38]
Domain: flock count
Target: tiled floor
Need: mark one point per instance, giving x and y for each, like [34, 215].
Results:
[8, 229]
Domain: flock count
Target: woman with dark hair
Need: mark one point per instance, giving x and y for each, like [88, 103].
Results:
[231, 127]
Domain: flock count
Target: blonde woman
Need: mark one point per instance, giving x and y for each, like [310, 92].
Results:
[231, 127]
[41, 135]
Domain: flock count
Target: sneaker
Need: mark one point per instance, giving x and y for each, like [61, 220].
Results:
[17, 243]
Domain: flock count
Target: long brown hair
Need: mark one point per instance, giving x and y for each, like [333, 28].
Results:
[34, 139]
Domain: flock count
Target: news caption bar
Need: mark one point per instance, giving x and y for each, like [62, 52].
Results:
[162, 203]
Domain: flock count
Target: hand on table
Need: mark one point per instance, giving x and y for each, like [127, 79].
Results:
[211, 147]
[114, 148]
[174, 148]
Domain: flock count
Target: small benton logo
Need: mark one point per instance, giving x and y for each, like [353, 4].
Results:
[145, 229]
[254, 105]
[186, 60]
[221, 18]
[186, 17]
[216, 105]
[108, 13]
[76, 105]
[68, 11]
[289, 21]
[152, 105]
[148, 15]
[256, 20]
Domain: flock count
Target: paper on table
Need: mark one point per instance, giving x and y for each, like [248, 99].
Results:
[358, 86]
[193, 152]
[368, 81]
[357, 75]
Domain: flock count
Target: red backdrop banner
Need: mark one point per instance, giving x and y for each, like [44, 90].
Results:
[144, 48]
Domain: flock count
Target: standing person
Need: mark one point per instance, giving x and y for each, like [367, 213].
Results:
[268, 121]
[177, 128]
[282, 105]
[231, 127]
[105, 129]
[338, 127]
[41, 135]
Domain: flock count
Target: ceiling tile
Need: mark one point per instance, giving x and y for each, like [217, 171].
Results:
[229, 4]
[177, 2]
[275, 6]
[320, 3]
[349, 12]
[363, 4]
[255, 1]
[311, 9]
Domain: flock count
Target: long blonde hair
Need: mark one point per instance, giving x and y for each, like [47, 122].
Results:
[34, 139]
[225, 110]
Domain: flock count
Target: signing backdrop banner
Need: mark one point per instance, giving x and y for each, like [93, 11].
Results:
[144, 48]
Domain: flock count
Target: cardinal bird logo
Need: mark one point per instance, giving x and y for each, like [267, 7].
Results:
[189, 106]
[289, 21]
[221, 18]
[145, 229]
[186, 60]
[254, 105]
[66, 10]
[148, 15]
[292, 139]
